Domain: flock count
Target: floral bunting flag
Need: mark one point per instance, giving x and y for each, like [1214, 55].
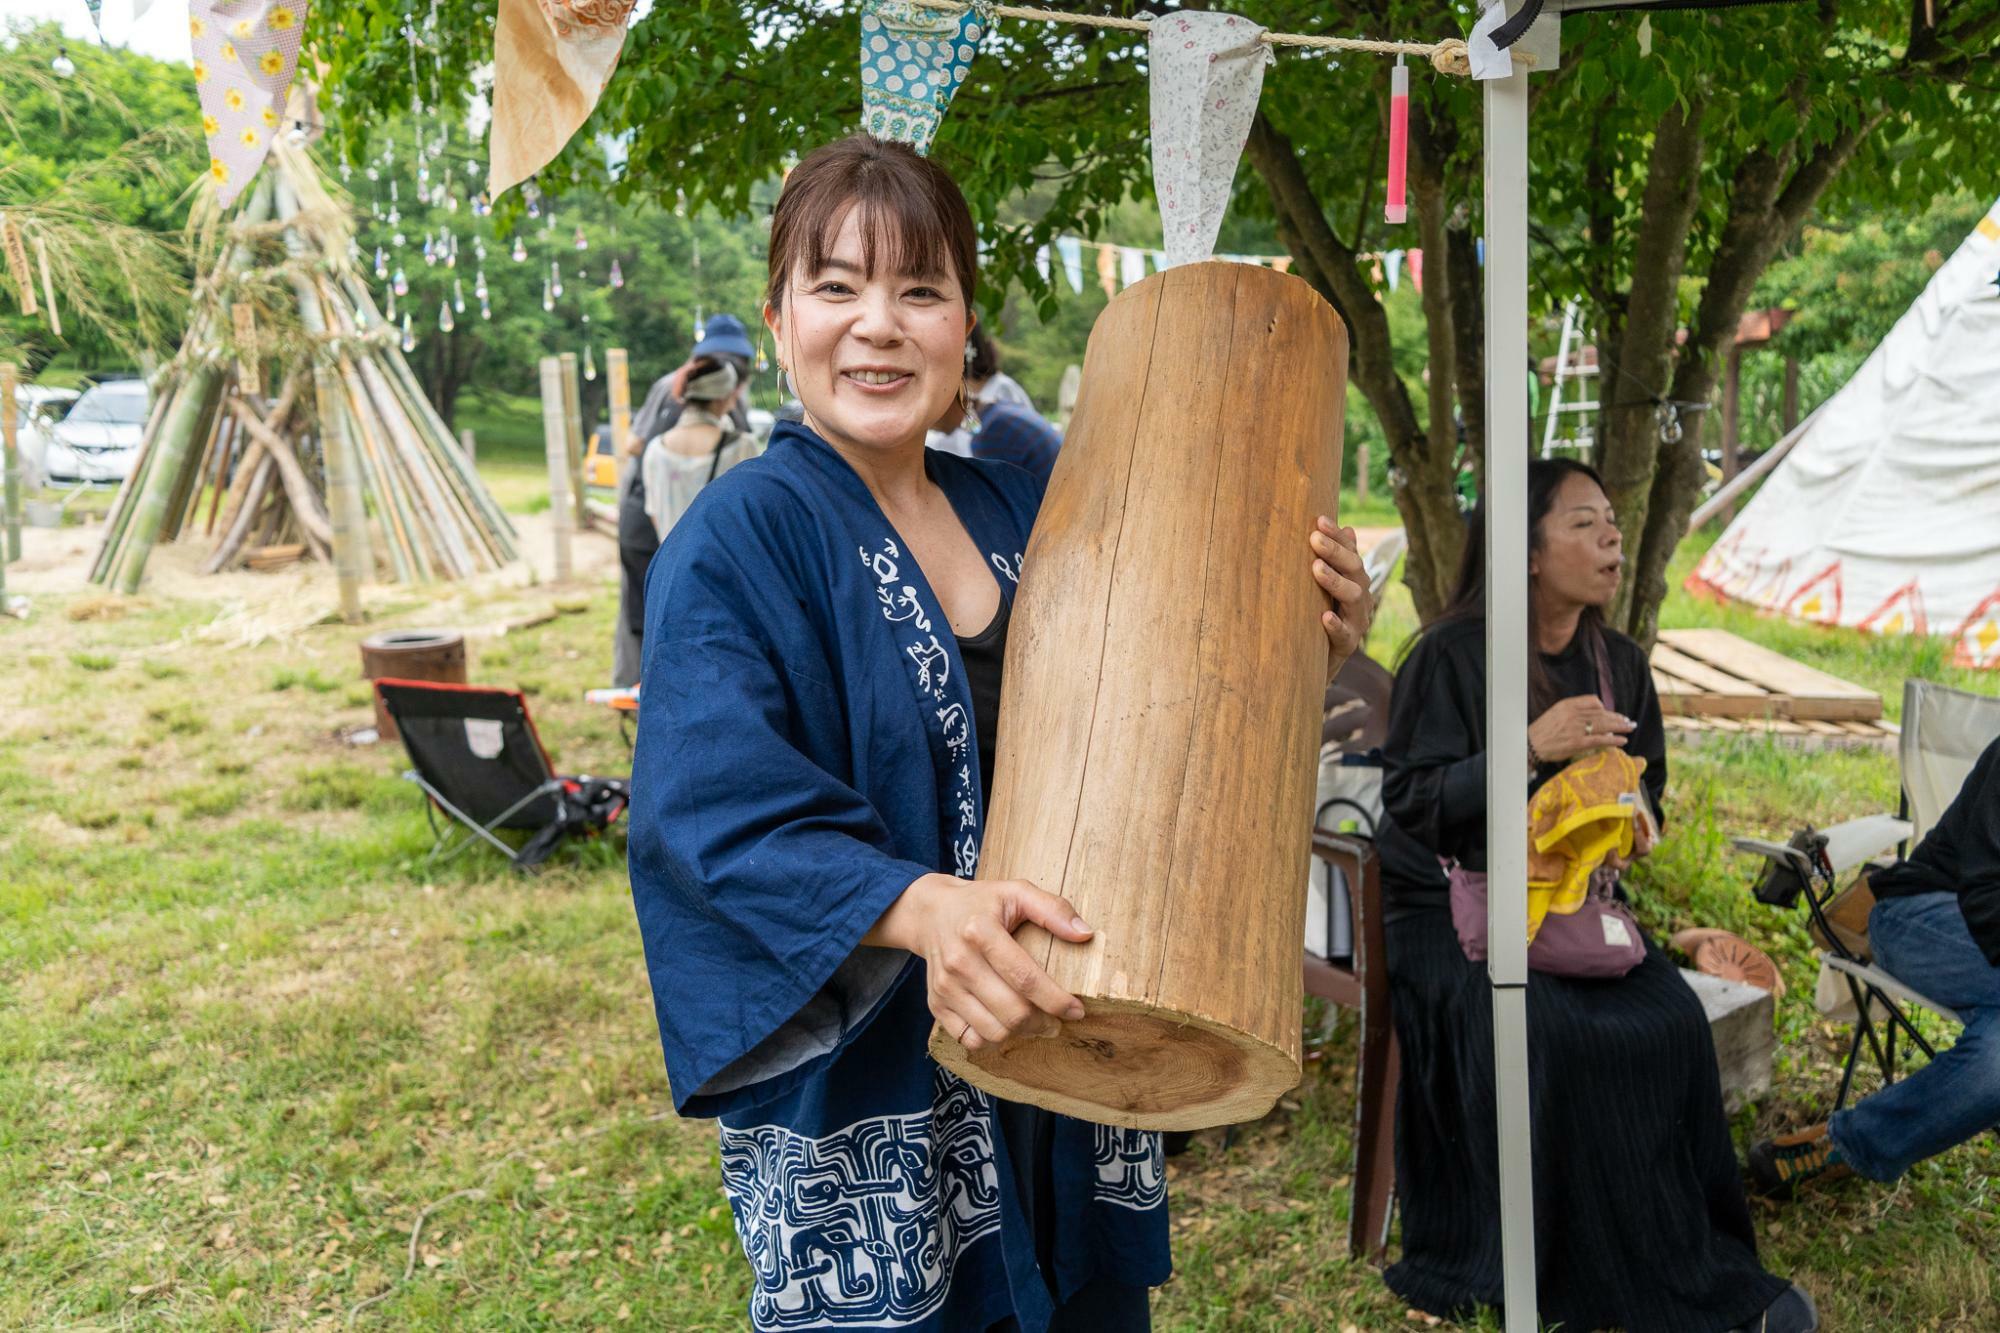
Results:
[551, 61]
[912, 60]
[245, 53]
[1207, 72]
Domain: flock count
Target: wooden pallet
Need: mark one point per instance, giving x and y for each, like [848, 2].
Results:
[1712, 682]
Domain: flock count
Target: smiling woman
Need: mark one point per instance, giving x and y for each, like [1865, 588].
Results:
[826, 627]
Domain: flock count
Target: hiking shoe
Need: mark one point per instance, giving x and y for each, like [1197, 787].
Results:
[1778, 1166]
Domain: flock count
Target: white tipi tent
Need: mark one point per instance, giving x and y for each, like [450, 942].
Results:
[1885, 516]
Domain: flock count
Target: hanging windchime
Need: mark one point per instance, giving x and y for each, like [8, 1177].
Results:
[457, 296]
[548, 297]
[1395, 207]
[520, 249]
[581, 242]
[381, 263]
[409, 334]
[445, 321]
[400, 285]
[555, 278]
[589, 362]
[617, 278]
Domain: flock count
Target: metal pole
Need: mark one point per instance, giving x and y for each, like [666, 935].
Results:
[555, 444]
[1507, 647]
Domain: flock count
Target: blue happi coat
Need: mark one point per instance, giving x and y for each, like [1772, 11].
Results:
[806, 749]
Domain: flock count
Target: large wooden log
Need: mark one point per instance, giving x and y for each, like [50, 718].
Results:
[1161, 716]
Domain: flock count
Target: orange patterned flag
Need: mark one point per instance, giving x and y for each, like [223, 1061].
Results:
[551, 61]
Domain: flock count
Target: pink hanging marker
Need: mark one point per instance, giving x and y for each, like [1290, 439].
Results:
[1394, 208]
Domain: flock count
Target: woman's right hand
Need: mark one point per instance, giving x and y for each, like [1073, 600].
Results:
[983, 986]
[1577, 726]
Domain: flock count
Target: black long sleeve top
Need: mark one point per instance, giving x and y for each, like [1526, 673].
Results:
[1960, 855]
[1434, 786]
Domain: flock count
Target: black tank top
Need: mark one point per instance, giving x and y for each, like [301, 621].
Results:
[984, 655]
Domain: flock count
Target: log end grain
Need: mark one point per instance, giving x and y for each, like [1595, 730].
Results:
[1134, 1065]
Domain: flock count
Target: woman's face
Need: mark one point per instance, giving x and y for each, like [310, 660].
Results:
[1579, 555]
[876, 360]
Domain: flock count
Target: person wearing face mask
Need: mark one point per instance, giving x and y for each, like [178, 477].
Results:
[1640, 1218]
[826, 628]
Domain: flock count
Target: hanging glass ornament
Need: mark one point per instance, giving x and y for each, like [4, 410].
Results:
[700, 325]
[485, 310]
[548, 297]
[534, 208]
[457, 297]
[430, 250]
[393, 218]
[617, 278]
[381, 262]
[402, 284]
[450, 202]
[409, 334]
[581, 242]
[479, 249]
[390, 314]
[397, 239]
[374, 175]
[589, 363]
[555, 278]
[520, 250]
[582, 274]
[346, 170]
[445, 322]
[393, 196]
[479, 285]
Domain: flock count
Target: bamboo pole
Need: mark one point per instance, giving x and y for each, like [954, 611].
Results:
[257, 471]
[555, 441]
[343, 490]
[427, 497]
[572, 400]
[121, 504]
[411, 562]
[12, 448]
[176, 434]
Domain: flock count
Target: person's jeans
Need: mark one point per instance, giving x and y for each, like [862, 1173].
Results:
[1923, 941]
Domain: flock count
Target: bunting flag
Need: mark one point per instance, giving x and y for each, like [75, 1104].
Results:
[1415, 259]
[1392, 264]
[1131, 267]
[1071, 250]
[1158, 260]
[97, 16]
[1207, 70]
[1042, 262]
[1107, 270]
[245, 53]
[912, 60]
[139, 8]
[551, 60]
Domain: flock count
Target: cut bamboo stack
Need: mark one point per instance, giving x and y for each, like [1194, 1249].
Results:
[336, 456]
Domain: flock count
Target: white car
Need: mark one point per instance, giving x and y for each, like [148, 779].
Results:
[37, 409]
[99, 440]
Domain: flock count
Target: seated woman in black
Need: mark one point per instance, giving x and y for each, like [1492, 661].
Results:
[1640, 1221]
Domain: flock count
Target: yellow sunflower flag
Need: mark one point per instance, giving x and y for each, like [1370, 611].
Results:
[246, 53]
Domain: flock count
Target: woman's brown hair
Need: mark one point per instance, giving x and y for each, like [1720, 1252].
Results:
[913, 218]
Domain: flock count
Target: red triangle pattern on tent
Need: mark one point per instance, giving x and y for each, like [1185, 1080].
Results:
[1819, 599]
[1977, 643]
[1901, 612]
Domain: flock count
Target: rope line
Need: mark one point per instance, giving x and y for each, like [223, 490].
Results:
[1447, 56]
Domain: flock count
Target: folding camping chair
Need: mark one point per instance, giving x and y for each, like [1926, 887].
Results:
[1944, 732]
[478, 759]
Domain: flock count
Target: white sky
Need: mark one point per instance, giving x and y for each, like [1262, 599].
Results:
[162, 33]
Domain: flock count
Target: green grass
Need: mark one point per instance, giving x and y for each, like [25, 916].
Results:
[251, 1035]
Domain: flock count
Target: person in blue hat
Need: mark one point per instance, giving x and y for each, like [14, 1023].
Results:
[724, 341]
[723, 338]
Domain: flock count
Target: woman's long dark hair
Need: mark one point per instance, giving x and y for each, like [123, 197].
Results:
[1468, 594]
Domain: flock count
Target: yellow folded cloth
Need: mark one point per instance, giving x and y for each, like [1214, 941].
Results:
[1576, 820]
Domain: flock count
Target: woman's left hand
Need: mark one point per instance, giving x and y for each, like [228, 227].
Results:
[1642, 845]
[1338, 570]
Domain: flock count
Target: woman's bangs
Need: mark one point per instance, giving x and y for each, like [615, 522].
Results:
[901, 234]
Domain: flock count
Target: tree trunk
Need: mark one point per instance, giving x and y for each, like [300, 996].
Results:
[1421, 470]
[1766, 210]
[1635, 385]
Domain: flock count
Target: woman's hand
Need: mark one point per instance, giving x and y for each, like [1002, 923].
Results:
[1643, 842]
[1577, 726]
[1338, 570]
[983, 987]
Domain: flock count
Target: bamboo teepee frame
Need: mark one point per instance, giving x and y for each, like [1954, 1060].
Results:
[342, 420]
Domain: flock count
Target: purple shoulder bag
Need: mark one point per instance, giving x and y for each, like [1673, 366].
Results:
[1600, 940]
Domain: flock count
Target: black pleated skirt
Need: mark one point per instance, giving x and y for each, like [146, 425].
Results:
[1640, 1220]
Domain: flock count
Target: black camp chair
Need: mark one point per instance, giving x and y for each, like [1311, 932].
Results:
[478, 759]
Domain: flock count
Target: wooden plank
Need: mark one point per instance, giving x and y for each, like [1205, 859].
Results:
[1822, 728]
[1814, 694]
[1711, 692]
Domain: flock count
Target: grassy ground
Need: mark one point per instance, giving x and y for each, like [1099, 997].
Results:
[264, 1067]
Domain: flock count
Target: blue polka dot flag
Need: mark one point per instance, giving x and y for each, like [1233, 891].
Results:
[912, 60]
